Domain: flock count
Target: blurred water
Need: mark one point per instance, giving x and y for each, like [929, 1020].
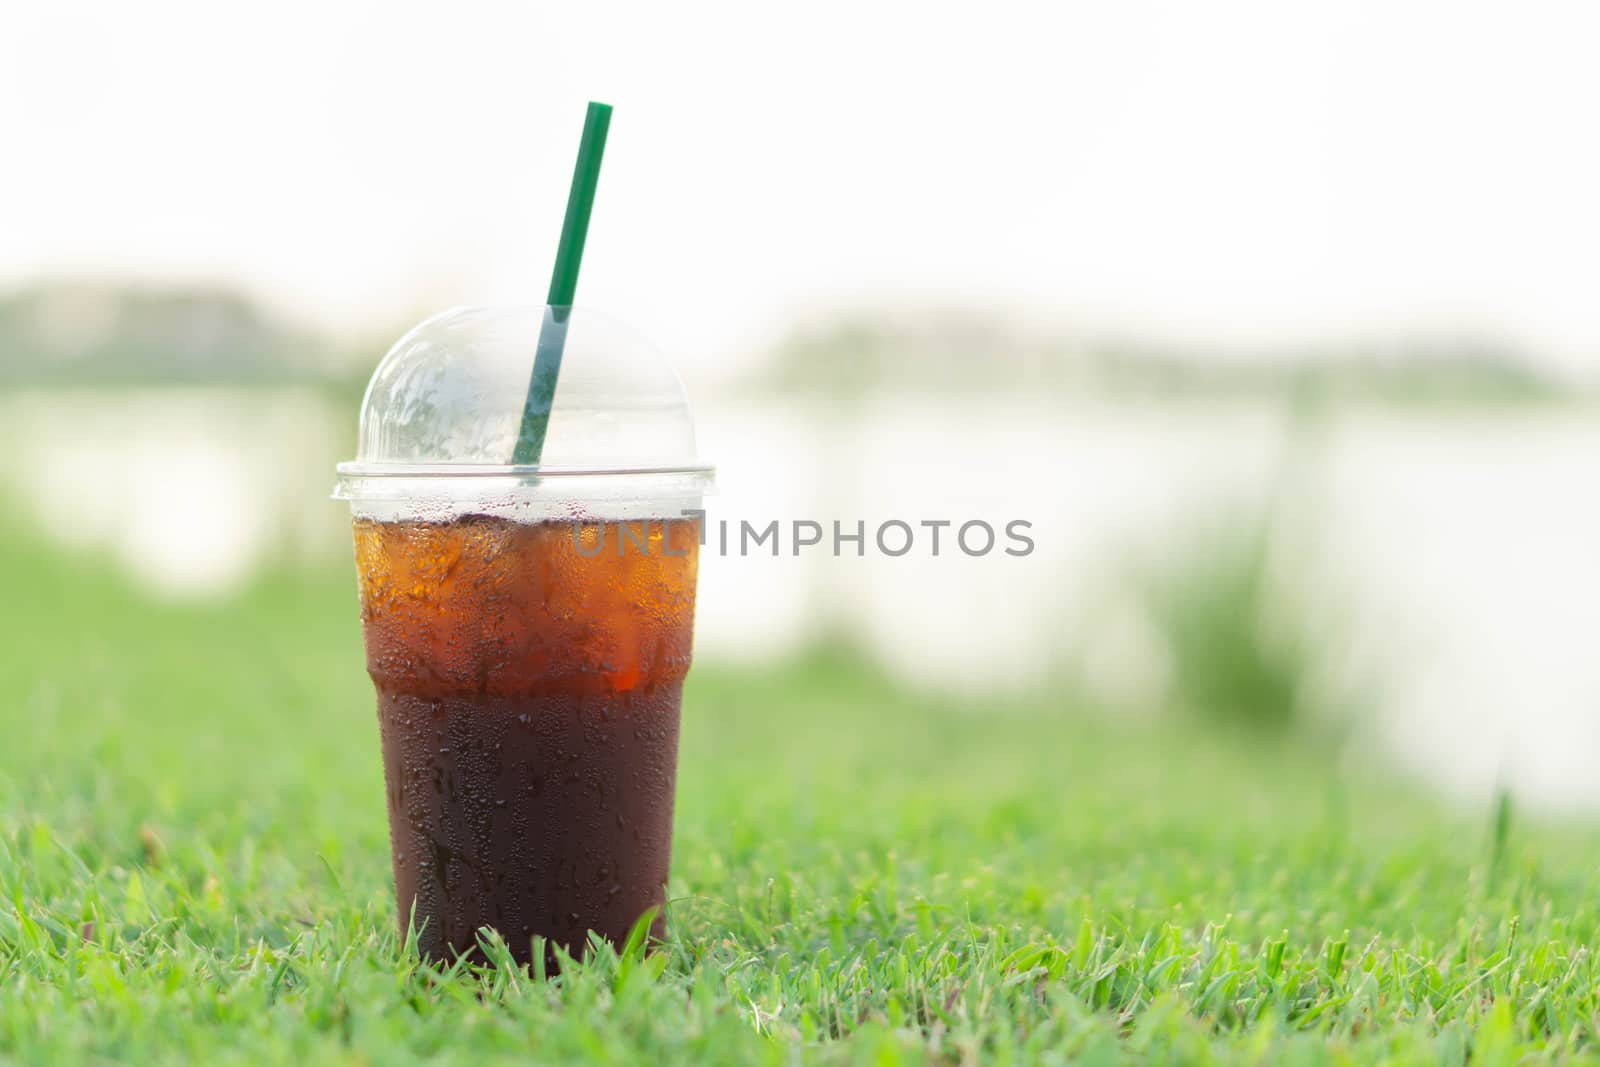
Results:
[191, 490]
[1446, 562]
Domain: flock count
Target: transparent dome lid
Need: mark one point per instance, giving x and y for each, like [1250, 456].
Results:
[445, 409]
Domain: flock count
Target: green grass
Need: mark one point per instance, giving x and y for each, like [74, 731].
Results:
[194, 867]
[1234, 663]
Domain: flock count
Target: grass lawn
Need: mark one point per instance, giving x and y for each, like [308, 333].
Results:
[194, 866]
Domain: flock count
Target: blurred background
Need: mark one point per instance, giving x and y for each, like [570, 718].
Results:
[1276, 321]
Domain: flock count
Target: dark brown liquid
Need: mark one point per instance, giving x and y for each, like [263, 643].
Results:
[528, 700]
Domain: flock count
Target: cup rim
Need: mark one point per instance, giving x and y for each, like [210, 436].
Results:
[357, 469]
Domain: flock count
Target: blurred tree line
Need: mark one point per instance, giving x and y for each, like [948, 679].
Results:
[965, 352]
[89, 333]
[106, 333]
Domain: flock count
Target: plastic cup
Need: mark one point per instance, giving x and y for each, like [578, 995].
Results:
[527, 629]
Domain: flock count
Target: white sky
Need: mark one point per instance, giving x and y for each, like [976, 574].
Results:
[1241, 172]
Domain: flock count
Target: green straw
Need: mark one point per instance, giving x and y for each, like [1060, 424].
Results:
[563, 287]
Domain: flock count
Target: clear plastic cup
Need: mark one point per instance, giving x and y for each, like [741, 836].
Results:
[527, 629]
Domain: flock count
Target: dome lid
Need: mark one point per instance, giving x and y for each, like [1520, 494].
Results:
[451, 393]
[446, 403]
